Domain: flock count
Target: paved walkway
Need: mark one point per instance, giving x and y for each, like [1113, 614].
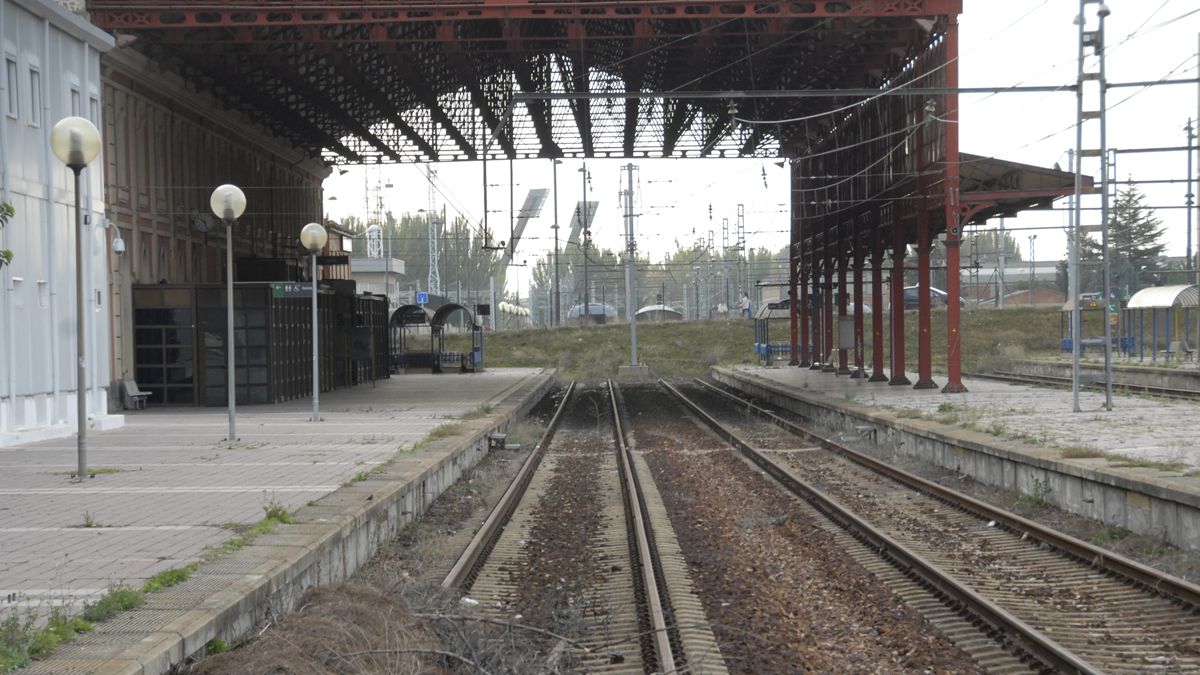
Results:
[167, 487]
[1138, 427]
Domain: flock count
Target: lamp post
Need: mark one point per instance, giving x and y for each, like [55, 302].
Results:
[1032, 238]
[557, 308]
[228, 203]
[313, 238]
[76, 142]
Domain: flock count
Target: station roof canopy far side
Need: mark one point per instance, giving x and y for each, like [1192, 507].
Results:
[419, 81]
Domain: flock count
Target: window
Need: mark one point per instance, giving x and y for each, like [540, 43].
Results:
[94, 111]
[10, 82]
[35, 97]
[75, 103]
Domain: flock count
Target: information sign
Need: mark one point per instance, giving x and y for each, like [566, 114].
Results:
[290, 289]
[422, 297]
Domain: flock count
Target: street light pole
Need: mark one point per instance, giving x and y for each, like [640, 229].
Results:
[313, 238]
[1032, 238]
[228, 203]
[557, 307]
[76, 142]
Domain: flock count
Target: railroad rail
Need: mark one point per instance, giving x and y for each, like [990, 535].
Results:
[628, 604]
[1070, 605]
[1059, 381]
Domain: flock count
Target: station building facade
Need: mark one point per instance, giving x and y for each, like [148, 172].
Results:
[166, 145]
[51, 70]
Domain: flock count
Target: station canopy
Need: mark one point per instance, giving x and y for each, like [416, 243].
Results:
[418, 81]
[1164, 297]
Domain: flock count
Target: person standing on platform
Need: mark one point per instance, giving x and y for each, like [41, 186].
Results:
[745, 305]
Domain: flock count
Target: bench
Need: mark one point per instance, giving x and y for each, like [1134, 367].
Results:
[1177, 347]
[133, 398]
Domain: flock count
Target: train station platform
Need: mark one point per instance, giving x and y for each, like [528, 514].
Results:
[167, 491]
[1135, 466]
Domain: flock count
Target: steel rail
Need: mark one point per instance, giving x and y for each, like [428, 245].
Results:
[647, 555]
[1023, 635]
[1113, 562]
[1055, 380]
[467, 566]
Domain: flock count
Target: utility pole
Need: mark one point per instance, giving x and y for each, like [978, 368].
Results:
[557, 317]
[1003, 262]
[630, 254]
[587, 239]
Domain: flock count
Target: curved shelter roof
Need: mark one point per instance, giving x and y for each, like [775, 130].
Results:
[411, 315]
[444, 312]
[1164, 297]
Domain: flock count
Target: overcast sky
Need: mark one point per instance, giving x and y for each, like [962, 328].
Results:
[1014, 42]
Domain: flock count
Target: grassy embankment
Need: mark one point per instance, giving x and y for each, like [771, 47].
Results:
[991, 338]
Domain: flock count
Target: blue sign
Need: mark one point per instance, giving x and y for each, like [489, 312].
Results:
[422, 297]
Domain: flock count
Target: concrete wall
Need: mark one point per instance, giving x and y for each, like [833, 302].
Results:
[1170, 378]
[51, 70]
[1107, 496]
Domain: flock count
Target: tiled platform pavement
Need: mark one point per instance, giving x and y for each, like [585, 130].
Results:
[1137, 427]
[168, 488]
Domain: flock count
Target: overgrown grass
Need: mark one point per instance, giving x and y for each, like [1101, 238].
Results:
[1109, 535]
[276, 514]
[168, 578]
[117, 599]
[22, 642]
[991, 340]
[1080, 452]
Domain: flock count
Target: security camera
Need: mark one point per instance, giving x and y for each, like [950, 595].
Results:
[118, 247]
[1103, 11]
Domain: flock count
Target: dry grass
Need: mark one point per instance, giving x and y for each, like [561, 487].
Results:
[1080, 452]
[341, 629]
[991, 340]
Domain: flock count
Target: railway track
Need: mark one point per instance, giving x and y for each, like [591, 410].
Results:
[1057, 381]
[1057, 602]
[571, 548]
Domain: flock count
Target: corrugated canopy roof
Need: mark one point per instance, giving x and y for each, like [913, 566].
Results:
[1164, 297]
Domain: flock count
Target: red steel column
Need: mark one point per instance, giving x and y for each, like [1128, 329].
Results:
[827, 316]
[924, 320]
[793, 317]
[818, 336]
[877, 307]
[859, 258]
[954, 384]
[805, 343]
[843, 349]
[898, 251]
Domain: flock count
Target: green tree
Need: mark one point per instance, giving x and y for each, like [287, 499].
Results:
[1134, 241]
[6, 213]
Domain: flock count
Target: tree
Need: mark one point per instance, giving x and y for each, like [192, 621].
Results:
[1134, 243]
[6, 213]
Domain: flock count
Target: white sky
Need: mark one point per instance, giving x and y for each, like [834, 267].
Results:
[1002, 43]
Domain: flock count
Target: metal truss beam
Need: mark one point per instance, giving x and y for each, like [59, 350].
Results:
[347, 71]
[317, 98]
[468, 76]
[426, 94]
[253, 95]
[115, 14]
[539, 110]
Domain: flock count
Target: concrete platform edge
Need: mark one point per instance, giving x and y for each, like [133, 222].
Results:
[1140, 506]
[368, 513]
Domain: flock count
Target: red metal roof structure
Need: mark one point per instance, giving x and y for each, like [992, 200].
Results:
[860, 94]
